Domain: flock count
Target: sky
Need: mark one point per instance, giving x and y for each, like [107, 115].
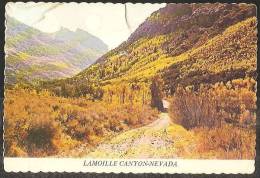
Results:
[106, 21]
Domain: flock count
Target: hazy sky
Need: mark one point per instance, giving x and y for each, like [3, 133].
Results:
[105, 21]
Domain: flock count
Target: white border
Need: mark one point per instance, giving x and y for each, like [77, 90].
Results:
[77, 165]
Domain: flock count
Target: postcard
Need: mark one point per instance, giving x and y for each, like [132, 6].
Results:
[141, 88]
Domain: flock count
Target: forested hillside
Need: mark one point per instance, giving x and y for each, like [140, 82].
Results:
[231, 55]
[177, 36]
[33, 55]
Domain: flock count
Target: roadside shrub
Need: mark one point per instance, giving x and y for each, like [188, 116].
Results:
[191, 109]
[222, 116]
[213, 105]
[226, 142]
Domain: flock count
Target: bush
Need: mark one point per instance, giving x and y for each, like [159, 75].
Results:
[39, 124]
[213, 105]
[40, 136]
[191, 109]
[226, 142]
[222, 116]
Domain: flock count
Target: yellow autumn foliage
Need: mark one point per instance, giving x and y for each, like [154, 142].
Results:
[39, 124]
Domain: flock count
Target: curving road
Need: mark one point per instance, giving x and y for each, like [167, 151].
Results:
[150, 141]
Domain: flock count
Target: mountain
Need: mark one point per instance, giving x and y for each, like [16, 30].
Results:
[184, 44]
[226, 57]
[32, 55]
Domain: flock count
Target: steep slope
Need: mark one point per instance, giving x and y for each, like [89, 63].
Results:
[172, 31]
[178, 33]
[231, 55]
[32, 54]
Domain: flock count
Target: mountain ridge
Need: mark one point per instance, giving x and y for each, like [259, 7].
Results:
[47, 55]
[152, 26]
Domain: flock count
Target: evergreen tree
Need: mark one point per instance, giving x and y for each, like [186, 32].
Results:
[156, 101]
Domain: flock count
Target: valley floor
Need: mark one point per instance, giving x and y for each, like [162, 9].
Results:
[86, 129]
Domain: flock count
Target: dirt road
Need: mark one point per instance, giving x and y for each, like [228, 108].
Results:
[160, 139]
